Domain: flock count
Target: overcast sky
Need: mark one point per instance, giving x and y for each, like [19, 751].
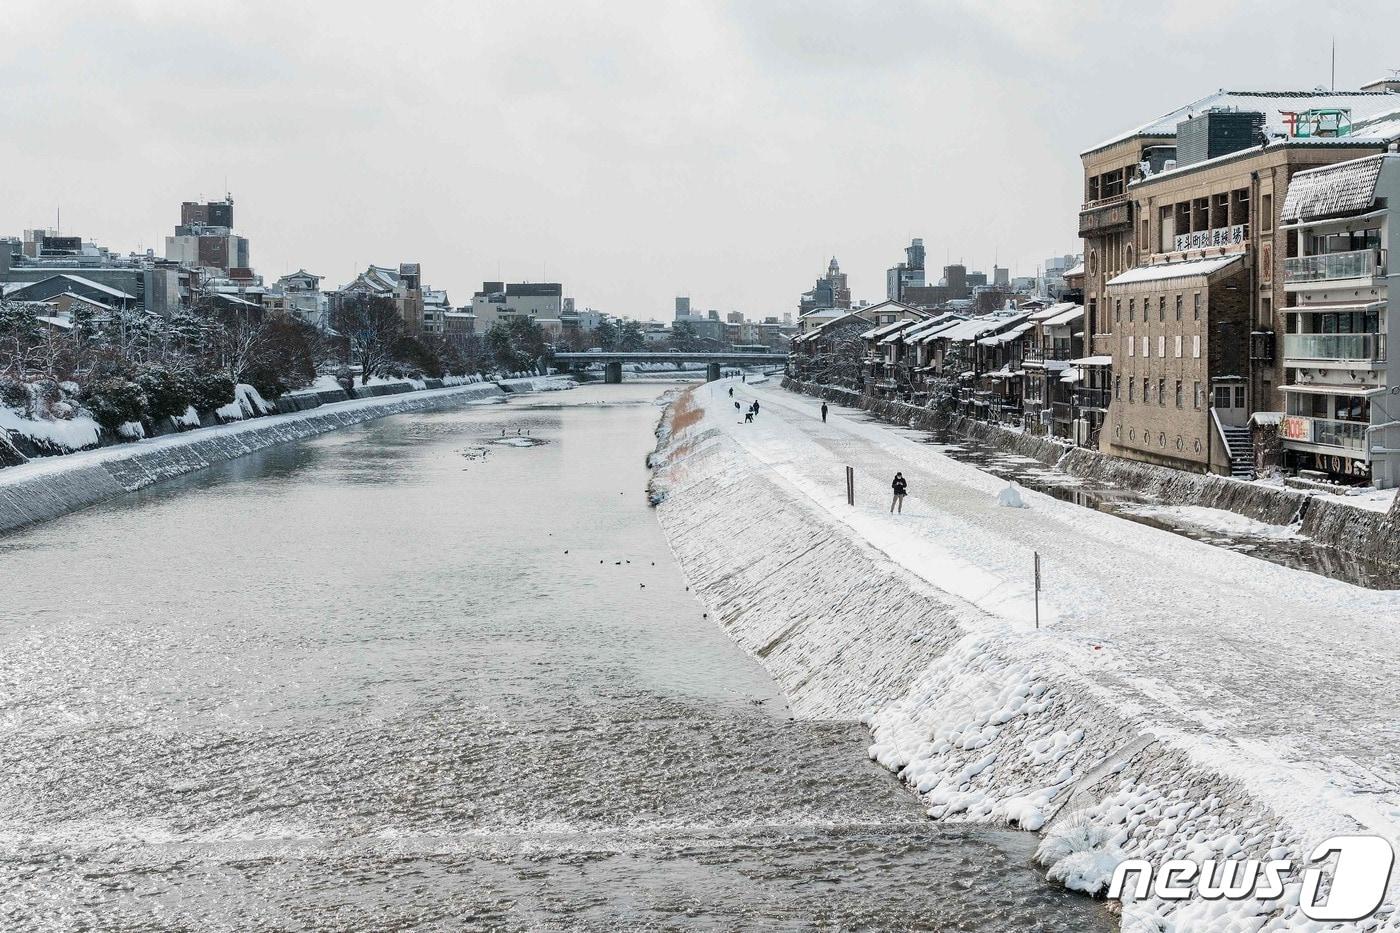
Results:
[632, 150]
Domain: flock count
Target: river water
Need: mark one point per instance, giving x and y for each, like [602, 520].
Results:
[437, 671]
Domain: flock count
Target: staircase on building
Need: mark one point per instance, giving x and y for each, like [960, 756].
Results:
[1240, 444]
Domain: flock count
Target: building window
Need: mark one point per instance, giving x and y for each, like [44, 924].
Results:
[1196, 306]
[1118, 388]
[1178, 307]
[1162, 308]
[1162, 346]
[1266, 311]
[1196, 394]
[1146, 390]
[1161, 391]
[1117, 310]
[1093, 261]
[1178, 346]
[1132, 308]
[1132, 390]
[1179, 394]
[1145, 351]
[1266, 212]
[1195, 346]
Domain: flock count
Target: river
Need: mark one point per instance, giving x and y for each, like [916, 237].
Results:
[438, 671]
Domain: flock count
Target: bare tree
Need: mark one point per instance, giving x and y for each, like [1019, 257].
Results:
[372, 326]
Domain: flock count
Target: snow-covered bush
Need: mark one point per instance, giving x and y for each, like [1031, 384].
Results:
[114, 401]
[210, 391]
[167, 392]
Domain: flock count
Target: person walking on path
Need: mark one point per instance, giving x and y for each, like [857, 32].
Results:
[731, 391]
[755, 408]
[823, 412]
[900, 487]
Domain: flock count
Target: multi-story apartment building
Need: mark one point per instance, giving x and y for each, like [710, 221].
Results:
[204, 238]
[1342, 394]
[1205, 182]
[503, 301]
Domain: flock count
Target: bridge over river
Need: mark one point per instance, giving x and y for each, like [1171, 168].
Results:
[612, 361]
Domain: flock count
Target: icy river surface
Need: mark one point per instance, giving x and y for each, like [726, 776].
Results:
[420, 674]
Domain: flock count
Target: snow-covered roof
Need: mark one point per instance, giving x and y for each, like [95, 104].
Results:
[1054, 310]
[877, 332]
[1174, 270]
[1077, 269]
[1343, 188]
[1364, 105]
[1070, 375]
[1092, 361]
[1006, 336]
[60, 322]
[1067, 316]
[937, 331]
[897, 332]
[925, 328]
[74, 296]
[966, 331]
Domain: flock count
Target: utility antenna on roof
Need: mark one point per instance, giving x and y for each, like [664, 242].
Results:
[1334, 64]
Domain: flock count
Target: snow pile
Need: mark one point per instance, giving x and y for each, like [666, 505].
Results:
[247, 403]
[1217, 521]
[1010, 498]
[61, 435]
[131, 430]
[188, 421]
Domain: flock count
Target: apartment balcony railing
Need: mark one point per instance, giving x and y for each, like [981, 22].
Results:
[1105, 215]
[1040, 354]
[1092, 398]
[1327, 267]
[1334, 348]
[1325, 432]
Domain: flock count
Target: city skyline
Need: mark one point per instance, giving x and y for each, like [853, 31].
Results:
[724, 180]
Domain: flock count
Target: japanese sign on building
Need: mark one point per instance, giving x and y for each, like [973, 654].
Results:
[1204, 239]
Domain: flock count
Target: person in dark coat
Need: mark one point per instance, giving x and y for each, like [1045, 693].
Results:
[731, 391]
[755, 408]
[900, 487]
[823, 412]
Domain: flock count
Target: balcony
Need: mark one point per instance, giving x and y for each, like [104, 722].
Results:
[1313, 349]
[1324, 432]
[1106, 215]
[1092, 398]
[1329, 267]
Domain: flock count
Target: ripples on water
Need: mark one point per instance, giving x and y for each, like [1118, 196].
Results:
[356, 684]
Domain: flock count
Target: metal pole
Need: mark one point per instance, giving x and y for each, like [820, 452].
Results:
[1037, 590]
[850, 486]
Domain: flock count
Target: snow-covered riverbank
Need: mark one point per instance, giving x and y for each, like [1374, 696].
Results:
[1179, 700]
[45, 488]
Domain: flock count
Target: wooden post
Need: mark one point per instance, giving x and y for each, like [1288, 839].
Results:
[1037, 589]
[850, 486]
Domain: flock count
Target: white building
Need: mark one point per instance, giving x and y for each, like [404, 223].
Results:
[501, 302]
[1342, 396]
[299, 293]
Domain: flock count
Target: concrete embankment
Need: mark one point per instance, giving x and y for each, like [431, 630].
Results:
[1366, 533]
[47, 488]
[987, 721]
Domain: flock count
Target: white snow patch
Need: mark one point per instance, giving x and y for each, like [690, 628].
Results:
[1010, 498]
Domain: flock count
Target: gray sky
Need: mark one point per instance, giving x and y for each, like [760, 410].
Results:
[633, 150]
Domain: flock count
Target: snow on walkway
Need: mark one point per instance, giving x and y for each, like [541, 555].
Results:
[1276, 678]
